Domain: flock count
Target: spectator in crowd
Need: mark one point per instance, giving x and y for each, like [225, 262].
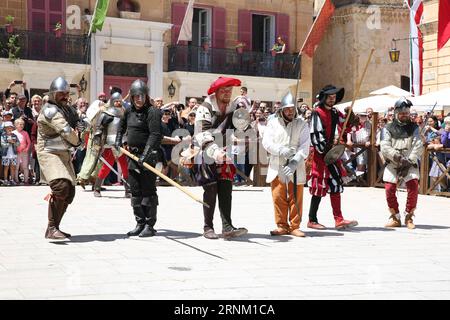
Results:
[23, 151]
[21, 110]
[8, 105]
[81, 105]
[36, 105]
[13, 95]
[390, 116]
[433, 140]
[244, 99]
[369, 112]
[102, 97]
[168, 125]
[189, 108]
[9, 145]
[361, 136]
[279, 47]
[189, 125]
[158, 102]
[445, 140]
[413, 115]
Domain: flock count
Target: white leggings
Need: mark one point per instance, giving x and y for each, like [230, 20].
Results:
[23, 159]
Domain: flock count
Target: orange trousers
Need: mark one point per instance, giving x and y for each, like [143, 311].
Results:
[284, 204]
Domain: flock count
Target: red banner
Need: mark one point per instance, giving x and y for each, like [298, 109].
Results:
[318, 29]
[443, 23]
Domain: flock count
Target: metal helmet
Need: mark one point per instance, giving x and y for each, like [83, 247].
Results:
[287, 101]
[138, 88]
[402, 104]
[58, 85]
[116, 96]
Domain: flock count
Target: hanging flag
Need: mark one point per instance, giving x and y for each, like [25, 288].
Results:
[443, 23]
[416, 47]
[186, 26]
[98, 18]
[318, 29]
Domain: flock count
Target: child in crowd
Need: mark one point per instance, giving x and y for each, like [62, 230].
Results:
[23, 150]
[9, 143]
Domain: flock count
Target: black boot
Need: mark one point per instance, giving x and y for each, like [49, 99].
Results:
[147, 232]
[98, 187]
[139, 215]
[136, 231]
[150, 220]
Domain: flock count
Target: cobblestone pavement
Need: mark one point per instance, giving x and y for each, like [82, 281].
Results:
[100, 262]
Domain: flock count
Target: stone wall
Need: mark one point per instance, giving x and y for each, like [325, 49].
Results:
[343, 52]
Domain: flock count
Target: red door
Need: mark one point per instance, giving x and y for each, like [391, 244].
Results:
[122, 82]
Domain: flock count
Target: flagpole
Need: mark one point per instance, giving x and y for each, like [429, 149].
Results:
[92, 20]
[300, 53]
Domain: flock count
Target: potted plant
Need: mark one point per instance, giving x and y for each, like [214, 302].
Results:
[13, 48]
[240, 46]
[58, 29]
[9, 23]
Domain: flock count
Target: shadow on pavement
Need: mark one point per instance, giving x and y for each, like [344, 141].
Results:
[429, 227]
[247, 238]
[177, 234]
[92, 237]
[359, 229]
[322, 234]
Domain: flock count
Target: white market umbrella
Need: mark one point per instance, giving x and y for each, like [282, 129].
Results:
[426, 102]
[392, 91]
[379, 103]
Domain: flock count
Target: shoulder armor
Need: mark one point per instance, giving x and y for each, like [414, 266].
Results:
[50, 111]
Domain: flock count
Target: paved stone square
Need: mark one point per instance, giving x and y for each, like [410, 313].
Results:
[100, 262]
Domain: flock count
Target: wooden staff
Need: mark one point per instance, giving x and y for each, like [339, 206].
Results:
[356, 94]
[173, 183]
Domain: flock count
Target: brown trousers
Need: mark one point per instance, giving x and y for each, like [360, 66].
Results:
[284, 204]
[62, 195]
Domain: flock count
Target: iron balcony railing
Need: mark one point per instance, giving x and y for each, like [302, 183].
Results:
[229, 61]
[46, 46]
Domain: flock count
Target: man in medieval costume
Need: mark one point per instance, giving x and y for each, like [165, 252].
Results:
[107, 125]
[326, 123]
[286, 139]
[214, 170]
[59, 129]
[142, 122]
[402, 148]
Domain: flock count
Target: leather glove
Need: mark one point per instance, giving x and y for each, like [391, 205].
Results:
[290, 168]
[403, 168]
[287, 152]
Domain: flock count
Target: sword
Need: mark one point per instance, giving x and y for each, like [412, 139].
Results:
[114, 170]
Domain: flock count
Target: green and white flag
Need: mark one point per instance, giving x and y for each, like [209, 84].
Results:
[98, 18]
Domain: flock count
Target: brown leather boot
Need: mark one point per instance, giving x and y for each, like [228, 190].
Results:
[279, 232]
[394, 219]
[55, 234]
[409, 219]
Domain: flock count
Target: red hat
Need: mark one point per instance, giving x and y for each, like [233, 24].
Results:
[223, 82]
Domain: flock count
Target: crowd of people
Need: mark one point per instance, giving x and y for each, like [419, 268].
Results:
[18, 129]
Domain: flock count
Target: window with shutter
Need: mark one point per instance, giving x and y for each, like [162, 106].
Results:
[245, 28]
[282, 28]
[219, 28]
[178, 12]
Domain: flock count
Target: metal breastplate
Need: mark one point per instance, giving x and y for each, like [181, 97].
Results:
[111, 131]
[114, 126]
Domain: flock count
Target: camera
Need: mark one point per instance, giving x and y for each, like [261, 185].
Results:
[180, 107]
[18, 81]
[73, 85]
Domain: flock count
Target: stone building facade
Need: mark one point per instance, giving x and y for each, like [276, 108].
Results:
[138, 35]
[436, 65]
[356, 27]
